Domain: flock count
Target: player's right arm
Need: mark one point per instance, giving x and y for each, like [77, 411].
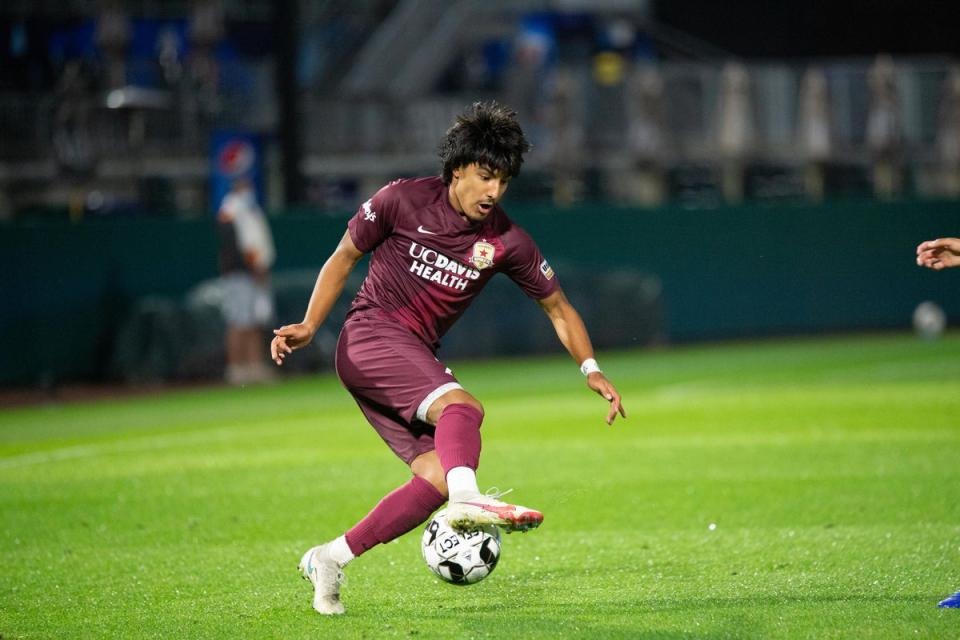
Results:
[330, 283]
[939, 254]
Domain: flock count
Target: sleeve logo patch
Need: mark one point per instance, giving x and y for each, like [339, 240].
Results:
[546, 270]
[368, 213]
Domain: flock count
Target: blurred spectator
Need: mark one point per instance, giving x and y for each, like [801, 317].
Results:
[73, 121]
[565, 139]
[735, 132]
[168, 56]
[246, 255]
[948, 134]
[884, 139]
[815, 141]
[113, 37]
[529, 71]
[614, 42]
[207, 30]
[647, 136]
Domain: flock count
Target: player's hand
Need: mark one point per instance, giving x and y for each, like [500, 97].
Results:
[289, 338]
[939, 254]
[599, 383]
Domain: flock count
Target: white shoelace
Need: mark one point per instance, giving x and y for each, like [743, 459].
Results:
[495, 493]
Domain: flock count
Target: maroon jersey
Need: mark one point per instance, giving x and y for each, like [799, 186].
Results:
[429, 263]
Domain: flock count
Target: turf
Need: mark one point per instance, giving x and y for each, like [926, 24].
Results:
[783, 489]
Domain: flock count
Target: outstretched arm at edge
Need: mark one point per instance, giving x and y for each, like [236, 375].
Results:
[330, 283]
[573, 335]
[939, 254]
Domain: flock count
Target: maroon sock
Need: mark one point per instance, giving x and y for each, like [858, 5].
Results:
[399, 511]
[457, 438]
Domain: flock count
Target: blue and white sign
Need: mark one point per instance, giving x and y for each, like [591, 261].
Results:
[234, 155]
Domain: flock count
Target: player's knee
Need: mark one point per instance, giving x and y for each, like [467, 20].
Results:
[455, 397]
[462, 397]
[435, 476]
[473, 402]
[427, 467]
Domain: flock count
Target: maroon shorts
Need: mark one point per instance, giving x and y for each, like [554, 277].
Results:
[394, 377]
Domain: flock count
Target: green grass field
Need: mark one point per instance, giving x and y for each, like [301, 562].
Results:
[831, 469]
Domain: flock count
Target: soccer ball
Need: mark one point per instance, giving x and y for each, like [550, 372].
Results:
[460, 558]
[929, 320]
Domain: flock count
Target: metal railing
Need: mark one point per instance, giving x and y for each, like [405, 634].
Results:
[371, 136]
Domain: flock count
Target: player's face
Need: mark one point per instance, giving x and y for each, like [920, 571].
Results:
[474, 191]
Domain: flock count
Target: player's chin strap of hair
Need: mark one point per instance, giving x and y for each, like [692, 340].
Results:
[589, 366]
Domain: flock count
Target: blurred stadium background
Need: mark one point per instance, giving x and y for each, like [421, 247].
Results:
[700, 171]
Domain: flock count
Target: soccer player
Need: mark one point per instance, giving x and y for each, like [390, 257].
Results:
[939, 254]
[435, 242]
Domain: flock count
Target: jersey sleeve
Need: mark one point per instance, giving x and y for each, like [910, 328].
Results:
[374, 220]
[528, 268]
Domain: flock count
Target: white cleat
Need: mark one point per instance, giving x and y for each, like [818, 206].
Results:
[481, 510]
[318, 567]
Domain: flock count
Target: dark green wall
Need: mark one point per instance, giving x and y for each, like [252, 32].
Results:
[768, 269]
[728, 272]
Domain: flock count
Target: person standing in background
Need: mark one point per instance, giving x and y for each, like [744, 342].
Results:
[246, 255]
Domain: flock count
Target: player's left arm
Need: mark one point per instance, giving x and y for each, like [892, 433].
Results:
[573, 335]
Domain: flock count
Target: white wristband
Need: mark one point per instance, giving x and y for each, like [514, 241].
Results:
[589, 366]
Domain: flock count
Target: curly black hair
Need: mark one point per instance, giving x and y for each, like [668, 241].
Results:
[488, 134]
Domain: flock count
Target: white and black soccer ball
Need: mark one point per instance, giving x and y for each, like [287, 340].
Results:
[460, 558]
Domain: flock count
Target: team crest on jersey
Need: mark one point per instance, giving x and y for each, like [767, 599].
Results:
[483, 253]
